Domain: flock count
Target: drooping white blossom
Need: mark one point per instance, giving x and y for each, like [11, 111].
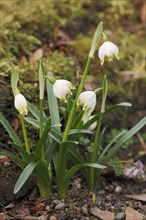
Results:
[20, 104]
[108, 49]
[61, 88]
[88, 100]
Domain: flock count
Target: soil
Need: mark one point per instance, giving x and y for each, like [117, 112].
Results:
[78, 204]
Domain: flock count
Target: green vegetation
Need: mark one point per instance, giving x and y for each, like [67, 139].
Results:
[63, 29]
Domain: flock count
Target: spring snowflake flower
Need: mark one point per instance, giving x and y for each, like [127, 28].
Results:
[108, 49]
[20, 104]
[61, 88]
[88, 100]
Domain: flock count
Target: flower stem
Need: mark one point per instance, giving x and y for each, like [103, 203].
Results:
[41, 126]
[95, 150]
[72, 113]
[24, 133]
[62, 154]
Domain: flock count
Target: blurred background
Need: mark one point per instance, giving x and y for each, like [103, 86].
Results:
[60, 32]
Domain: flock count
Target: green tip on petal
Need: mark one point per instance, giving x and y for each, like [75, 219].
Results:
[72, 86]
[101, 62]
[78, 101]
[117, 56]
[69, 92]
[63, 99]
[110, 58]
[85, 107]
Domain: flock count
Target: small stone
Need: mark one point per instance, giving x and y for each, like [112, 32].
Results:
[53, 217]
[84, 209]
[56, 201]
[118, 189]
[120, 216]
[60, 206]
[100, 192]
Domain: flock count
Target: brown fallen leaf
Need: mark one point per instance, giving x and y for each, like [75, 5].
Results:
[16, 123]
[2, 216]
[130, 76]
[141, 197]
[132, 214]
[104, 215]
[38, 54]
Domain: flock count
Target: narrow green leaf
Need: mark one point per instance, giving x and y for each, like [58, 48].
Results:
[24, 176]
[111, 143]
[21, 163]
[10, 130]
[25, 156]
[94, 165]
[79, 131]
[108, 110]
[104, 93]
[36, 112]
[41, 79]
[14, 82]
[33, 121]
[77, 119]
[53, 105]
[123, 140]
[122, 104]
[43, 175]
[41, 141]
[53, 133]
[75, 168]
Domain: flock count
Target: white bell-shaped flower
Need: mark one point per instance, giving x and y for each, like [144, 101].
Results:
[87, 99]
[61, 88]
[108, 49]
[20, 104]
[93, 125]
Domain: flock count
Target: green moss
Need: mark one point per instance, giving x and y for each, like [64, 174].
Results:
[60, 65]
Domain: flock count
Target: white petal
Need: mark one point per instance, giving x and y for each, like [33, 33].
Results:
[61, 88]
[107, 49]
[86, 115]
[88, 99]
[20, 104]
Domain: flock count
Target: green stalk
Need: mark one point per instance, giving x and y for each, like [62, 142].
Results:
[24, 133]
[97, 135]
[95, 150]
[41, 126]
[62, 153]
[72, 113]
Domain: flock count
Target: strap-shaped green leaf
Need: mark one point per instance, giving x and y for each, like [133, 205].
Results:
[73, 170]
[25, 156]
[123, 140]
[108, 110]
[53, 105]
[20, 162]
[10, 130]
[79, 131]
[111, 143]
[41, 141]
[53, 133]
[36, 112]
[24, 176]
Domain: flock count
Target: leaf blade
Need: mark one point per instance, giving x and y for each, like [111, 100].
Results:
[24, 176]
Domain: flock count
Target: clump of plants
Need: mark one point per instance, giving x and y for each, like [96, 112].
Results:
[59, 137]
